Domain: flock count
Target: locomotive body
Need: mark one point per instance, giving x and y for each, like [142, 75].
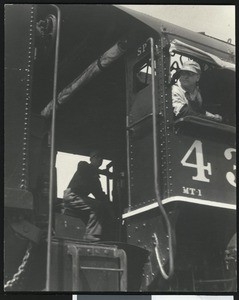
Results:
[82, 77]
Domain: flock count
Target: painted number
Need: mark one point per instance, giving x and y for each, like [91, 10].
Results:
[231, 178]
[199, 165]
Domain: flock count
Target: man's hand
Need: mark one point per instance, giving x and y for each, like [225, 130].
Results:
[68, 196]
[215, 117]
[106, 173]
[218, 117]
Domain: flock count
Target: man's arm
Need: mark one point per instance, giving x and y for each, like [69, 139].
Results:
[81, 176]
[178, 100]
[186, 111]
[98, 192]
[181, 108]
[180, 105]
[69, 196]
[107, 173]
[215, 117]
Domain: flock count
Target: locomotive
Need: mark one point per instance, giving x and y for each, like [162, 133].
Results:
[83, 77]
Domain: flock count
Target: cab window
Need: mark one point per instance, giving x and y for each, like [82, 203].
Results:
[216, 85]
[142, 74]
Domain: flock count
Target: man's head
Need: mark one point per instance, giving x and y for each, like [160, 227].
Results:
[96, 158]
[190, 74]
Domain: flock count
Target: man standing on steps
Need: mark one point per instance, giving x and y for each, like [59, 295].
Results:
[98, 211]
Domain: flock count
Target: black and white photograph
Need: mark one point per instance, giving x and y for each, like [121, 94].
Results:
[120, 150]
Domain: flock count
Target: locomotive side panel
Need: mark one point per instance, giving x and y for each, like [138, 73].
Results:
[208, 168]
[19, 54]
[139, 120]
[204, 149]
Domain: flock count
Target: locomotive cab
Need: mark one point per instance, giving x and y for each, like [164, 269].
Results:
[175, 162]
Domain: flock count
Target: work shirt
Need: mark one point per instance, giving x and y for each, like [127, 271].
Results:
[185, 103]
[86, 181]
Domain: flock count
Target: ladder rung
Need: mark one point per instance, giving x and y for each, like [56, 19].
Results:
[102, 269]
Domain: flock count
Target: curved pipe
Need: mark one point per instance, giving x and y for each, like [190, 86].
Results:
[156, 179]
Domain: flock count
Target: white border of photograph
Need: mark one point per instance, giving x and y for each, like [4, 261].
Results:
[190, 297]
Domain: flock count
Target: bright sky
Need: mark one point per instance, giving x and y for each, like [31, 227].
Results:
[215, 20]
[66, 165]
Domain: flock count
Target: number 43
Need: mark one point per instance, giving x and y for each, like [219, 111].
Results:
[201, 168]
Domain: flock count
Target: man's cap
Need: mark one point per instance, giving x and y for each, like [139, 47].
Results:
[191, 66]
[94, 153]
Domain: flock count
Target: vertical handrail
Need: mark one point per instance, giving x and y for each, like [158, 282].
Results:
[156, 179]
[110, 164]
[52, 159]
[128, 164]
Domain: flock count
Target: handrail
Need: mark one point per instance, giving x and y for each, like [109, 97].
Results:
[156, 181]
[110, 164]
[52, 158]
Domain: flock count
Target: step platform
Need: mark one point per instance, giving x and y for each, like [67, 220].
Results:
[90, 267]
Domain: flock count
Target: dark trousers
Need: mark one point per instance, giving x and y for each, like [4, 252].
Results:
[96, 214]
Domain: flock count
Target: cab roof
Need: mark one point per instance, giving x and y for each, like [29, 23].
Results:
[217, 47]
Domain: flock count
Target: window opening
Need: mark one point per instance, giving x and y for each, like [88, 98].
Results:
[142, 74]
[66, 165]
[216, 85]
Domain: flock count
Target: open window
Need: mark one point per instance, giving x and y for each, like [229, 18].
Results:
[217, 82]
[142, 74]
[66, 165]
